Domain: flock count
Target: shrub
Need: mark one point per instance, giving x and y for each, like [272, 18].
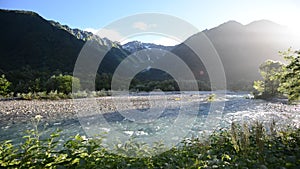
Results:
[79, 94]
[63, 84]
[4, 86]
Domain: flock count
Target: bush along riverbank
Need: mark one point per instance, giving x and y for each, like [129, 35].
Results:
[55, 95]
[238, 147]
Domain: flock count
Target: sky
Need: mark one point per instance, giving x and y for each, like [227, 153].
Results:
[95, 14]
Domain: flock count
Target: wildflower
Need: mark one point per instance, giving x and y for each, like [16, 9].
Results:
[38, 117]
[84, 138]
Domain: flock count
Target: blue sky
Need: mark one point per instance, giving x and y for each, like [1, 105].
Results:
[202, 14]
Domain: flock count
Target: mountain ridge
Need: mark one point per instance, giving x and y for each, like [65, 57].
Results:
[33, 48]
[33, 41]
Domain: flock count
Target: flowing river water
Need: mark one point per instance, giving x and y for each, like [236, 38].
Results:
[18, 116]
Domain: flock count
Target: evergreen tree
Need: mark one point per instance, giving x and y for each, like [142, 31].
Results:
[290, 77]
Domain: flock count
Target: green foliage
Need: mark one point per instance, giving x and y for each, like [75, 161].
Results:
[290, 78]
[63, 84]
[280, 79]
[103, 81]
[4, 86]
[240, 147]
[54, 95]
[268, 87]
[26, 79]
[259, 86]
[164, 85]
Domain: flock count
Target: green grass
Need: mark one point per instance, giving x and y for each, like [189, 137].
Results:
[238, 147]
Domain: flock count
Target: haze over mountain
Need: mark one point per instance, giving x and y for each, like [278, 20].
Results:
[29, 40]
[242, 48]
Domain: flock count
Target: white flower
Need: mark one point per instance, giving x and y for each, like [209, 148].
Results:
[38, 117]
[84, 138]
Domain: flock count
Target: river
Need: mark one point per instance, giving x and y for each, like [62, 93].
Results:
[184, 117]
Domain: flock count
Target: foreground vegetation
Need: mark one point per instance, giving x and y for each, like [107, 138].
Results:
[239, 147]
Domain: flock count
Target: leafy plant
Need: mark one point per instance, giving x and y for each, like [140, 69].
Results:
[240, 147]
[290, 78]
[4, 86]
[268, 86]
[280, 78]
[63, 84]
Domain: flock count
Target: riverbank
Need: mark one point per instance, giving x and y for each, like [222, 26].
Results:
[15, 111]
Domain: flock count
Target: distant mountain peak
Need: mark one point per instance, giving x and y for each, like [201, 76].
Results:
[231, 23]
[262, 25]
[134, 46]
[263, 22]
[265, 26]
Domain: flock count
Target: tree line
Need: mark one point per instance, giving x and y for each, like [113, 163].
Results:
[59, 84]
[27, 83]
[278, 80]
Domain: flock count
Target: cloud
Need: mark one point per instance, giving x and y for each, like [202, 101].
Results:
[94, 31]
[143, 26]
[166, 41]
[110, 34]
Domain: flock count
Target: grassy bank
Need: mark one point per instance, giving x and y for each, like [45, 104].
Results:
[238, 147]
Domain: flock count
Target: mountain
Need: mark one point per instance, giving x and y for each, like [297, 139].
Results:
[241, 48]
[149, 74]
[85, 35]
[79, 34]
[32, 49]
[28, 40]
[29, 43]
[135, 46]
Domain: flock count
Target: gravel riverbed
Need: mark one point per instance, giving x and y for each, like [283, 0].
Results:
[14, 111]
